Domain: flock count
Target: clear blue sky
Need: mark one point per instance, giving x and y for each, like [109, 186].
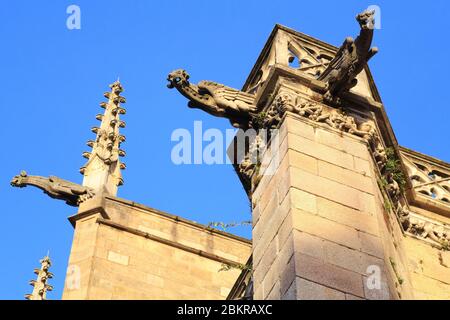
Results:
[52, 80]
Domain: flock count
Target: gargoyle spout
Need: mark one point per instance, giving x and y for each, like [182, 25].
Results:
[215, 99]
[350, 60]
[178, 79]
[19, 181]
[73, 194]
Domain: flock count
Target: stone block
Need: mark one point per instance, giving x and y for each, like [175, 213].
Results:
[303, 200]
[271, 278]
[344, 176]
[264, 261]
[363, 167]
[347, 216]
[307, 290]
[267, 195]
[331, 190]
[286, 252]
[258, 293]
[274, 292]
[303, 161]
[300, 128]
[317, 271]
[371, 245]
[308, 244]
[269, 229]
[326, 229]
[320, 151]
[287, 276]
[291, 293]
[357, 148]
[381, 293]
[266, 215]
[344, 257]
[329, 138]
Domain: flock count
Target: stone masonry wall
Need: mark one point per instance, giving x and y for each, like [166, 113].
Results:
[315, 221]
[430, 270]
[139, 253]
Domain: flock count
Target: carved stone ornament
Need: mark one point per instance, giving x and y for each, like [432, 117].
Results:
[429, 179]
[40, 285]
[215, 99]
[335, 118]
[350, 60]
[73, 194]
[425, 229]
[108, 140]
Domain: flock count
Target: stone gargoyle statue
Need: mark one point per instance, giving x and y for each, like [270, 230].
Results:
[73, 194]
[351, 58]
[215, 99]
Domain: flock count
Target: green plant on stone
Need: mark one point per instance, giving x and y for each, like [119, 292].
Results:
[240, 266]
[387, 205]
[393, 166]
[225, 226]
[258, 120]
[394, 267]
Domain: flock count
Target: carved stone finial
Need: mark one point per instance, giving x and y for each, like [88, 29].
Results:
[102, 170]
[215, 99]
[40, 285]
[73, 194]
[351, 59]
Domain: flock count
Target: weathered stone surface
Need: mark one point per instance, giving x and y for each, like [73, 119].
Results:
[347, 216]
[371, 245]
[328, 275]
[326, 229]
[118, 258]
[329, 209]
[331, 190]
[346, 177]
[320, 151]
[308, 290]
[115, 261]
[303, 161]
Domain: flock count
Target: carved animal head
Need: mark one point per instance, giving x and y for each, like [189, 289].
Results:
[178, 78]
[19, 180]
[366, 19]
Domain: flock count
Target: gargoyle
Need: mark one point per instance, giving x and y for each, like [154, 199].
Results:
[351, 58]
[215, 99]
[73, 194]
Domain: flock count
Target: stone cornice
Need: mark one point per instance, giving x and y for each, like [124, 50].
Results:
[281, 75]
[84, 214]
[168, 242]
[100, 204]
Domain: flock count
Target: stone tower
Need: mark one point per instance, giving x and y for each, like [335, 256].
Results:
[340, 210]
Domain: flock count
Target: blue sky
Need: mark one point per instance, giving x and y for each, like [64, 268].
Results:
[53, 79]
